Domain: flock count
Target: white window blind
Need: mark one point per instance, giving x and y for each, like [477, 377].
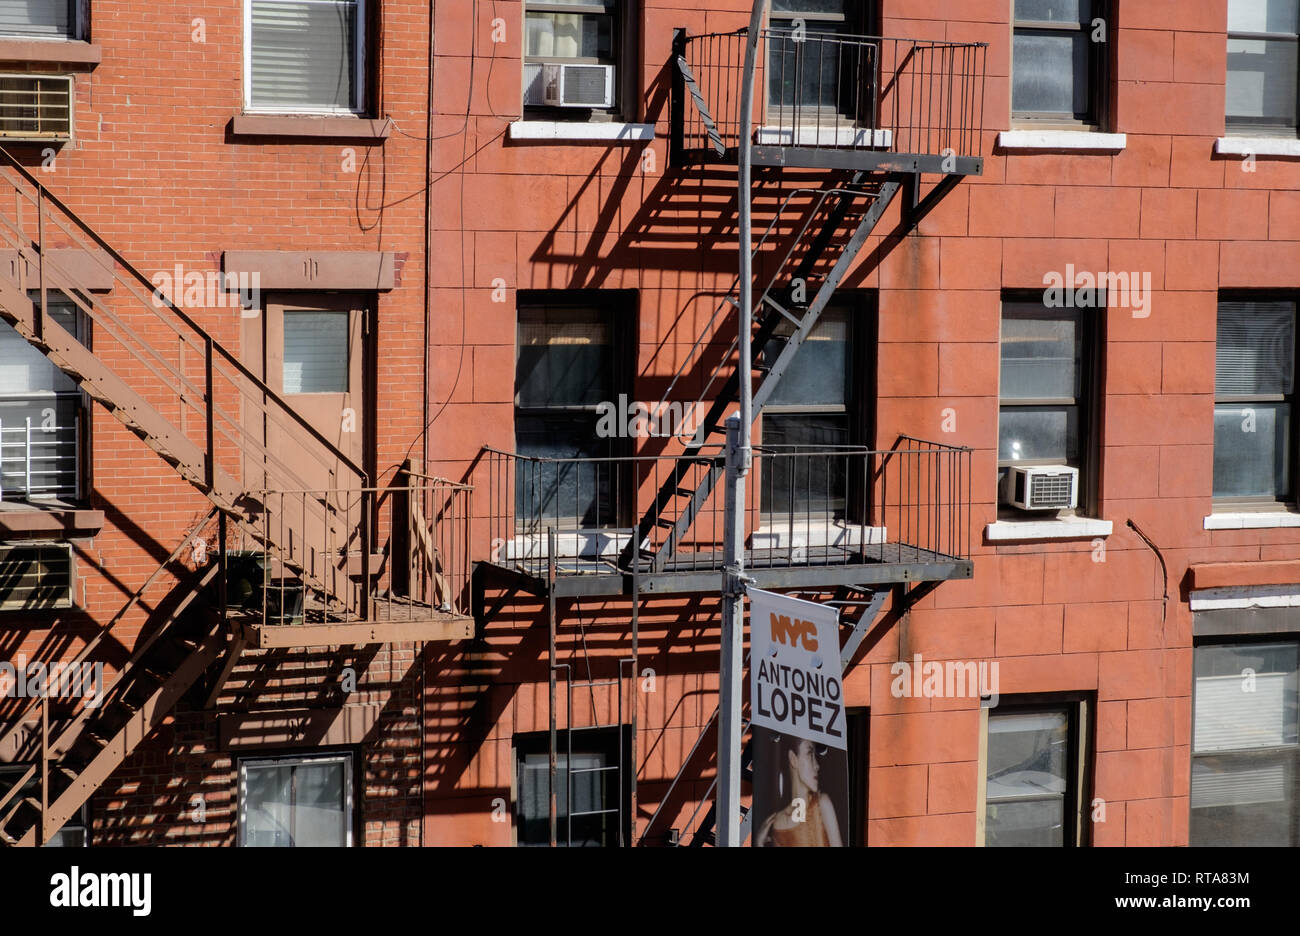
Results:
[316, 351]
[305, 55]
[38, 19]
[23, 369]
[1237, 786]
[1228, 718]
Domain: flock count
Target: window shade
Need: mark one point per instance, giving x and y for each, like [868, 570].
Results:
[1258, 16]
[43, 19]
[1228, 718]
[1237, 785]
[304, 54]
[23, 369]
[316, 352]
[1256, 345]
[565, 358]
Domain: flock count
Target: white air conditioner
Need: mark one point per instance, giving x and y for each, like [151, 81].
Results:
[1041, 487]
[36, 107]
[556, 85]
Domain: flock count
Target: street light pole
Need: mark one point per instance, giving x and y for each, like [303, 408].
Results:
[738, 458]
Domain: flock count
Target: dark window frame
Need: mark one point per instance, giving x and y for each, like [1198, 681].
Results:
[615, 740]
[1081, 760]
[80, 823]
[1100, 94]
[862, 19]
[1262, 126]
[1243, 639]
[861, 313]
[622, 308]
[625, 37]
[1089, 402]
[1291, 498]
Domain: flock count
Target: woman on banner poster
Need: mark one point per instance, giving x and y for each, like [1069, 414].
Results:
[805, 815]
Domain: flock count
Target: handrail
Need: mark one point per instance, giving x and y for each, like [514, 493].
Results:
[216, 346]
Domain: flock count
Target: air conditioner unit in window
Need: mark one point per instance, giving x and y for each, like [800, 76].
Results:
[36, 576]
[555, 85]
[36, 107]
[1041, 487]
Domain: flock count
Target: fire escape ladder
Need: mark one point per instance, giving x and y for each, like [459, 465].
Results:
[75, 752]
[675, 507]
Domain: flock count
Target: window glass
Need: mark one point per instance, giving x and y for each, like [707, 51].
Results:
[805, 485]
[565, 358]
[1028, 761]
[38, 19]
[1246, 744]
[1263, 16]
[569, 35]
[1051, 73]
[1054, 11]
[1040, 356]
[1255, 348]
[295, 803]
[1261, 81]
[1252, 446]
[588, 792]
[304, 54]
[316, 351]
[820, 373]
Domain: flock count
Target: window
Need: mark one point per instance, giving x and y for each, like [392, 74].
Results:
[1254, 412]
[74, 831]
[1035, 773]
[291, 802]
[570, 360]
[810, 411]
[817, 75]
[1246, 745]
[42, 412]
[51, 19]
[577, 57]
[593, 788]
[1058, 71]
[316, 350]
[858, 722]
[1261, 84]
[1048, 388]
[305, 56]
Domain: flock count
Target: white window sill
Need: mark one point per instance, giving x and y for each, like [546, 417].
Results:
[1048, 140]
[1242, 597]
[1257, 146]
[823, 136]
[585, 544]
[1252, 520]
[1060, 528]
[577, 131]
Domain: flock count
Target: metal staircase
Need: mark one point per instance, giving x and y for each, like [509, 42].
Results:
[76, 746]
[179, 390]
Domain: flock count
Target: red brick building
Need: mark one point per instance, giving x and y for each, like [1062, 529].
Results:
[1020, 249]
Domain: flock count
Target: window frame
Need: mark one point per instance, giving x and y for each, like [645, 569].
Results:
[859, 308]
[362, 104]
[349, 793]
[862, 20]
[1080, 709]
[83, 413]
[1092, 333]
[624, 59]
[609, 740]
[1291, 498]
[621, 309]
[1242, 639]
[1245, 126]
[78, 21]
[1099, 91]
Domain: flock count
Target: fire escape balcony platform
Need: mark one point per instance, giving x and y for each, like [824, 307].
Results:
[389, 621]
[701, 572]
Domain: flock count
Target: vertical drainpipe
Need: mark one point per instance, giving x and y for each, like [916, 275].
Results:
[421, 662]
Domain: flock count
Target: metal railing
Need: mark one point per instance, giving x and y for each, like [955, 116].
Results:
[223, 427]
[833, 91]
[40, 461]
[803, 505]
[411, 565]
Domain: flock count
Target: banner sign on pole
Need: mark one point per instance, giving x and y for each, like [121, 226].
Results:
[798, 722]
